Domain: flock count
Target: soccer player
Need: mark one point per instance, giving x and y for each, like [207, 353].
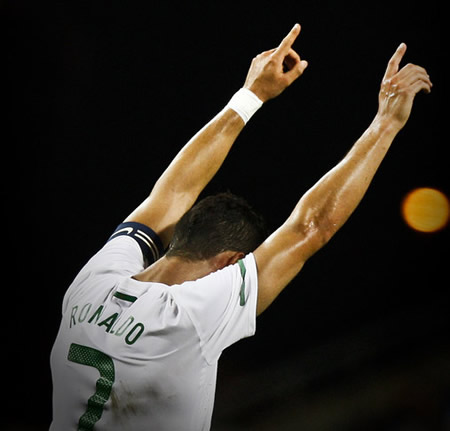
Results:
[142, 331]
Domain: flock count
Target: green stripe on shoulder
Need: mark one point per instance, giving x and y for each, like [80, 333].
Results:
[242, 292]
[125, 297]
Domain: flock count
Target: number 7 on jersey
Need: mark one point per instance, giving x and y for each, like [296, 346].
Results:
[88, 356]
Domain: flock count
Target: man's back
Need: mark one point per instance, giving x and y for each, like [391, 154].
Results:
[134, 355]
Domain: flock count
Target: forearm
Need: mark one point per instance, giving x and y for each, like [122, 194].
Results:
[330, 202]
[191, 170]
[200, 159]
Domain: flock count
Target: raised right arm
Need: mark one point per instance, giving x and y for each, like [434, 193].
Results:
[330, 202]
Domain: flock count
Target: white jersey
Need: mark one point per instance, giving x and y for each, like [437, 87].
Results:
[138, 356]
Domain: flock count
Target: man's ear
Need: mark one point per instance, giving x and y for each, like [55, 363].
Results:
[237, 255]
[227, 258]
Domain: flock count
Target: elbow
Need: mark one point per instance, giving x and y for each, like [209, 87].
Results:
[320, 230]
[312, 234]
[314, 225]
[316, 229]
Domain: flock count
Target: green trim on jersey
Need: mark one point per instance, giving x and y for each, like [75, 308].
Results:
[242, 292]
[125, 297]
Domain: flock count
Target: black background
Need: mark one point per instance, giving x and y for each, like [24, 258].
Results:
[101, 95]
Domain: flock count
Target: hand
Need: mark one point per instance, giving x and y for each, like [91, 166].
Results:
[271, 72]
[399, 88]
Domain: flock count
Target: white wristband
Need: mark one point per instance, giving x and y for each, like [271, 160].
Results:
[245, 103]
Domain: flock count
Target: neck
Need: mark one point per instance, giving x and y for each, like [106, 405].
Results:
[175, 270]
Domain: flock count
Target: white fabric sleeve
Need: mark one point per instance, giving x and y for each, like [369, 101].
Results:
[222, 306]
[128, 251]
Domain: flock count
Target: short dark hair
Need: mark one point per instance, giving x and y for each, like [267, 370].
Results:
[222, 222]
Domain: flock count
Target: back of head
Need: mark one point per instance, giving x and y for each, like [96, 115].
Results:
[223, 222]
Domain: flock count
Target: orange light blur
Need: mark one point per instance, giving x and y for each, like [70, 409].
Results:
[426, 209]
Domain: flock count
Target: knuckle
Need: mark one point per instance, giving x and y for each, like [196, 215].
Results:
[271, 63]
[286, 81]
[386, 83]
[393, 62]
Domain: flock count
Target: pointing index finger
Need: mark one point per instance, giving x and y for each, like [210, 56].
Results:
[287, 42]
[394, 62]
